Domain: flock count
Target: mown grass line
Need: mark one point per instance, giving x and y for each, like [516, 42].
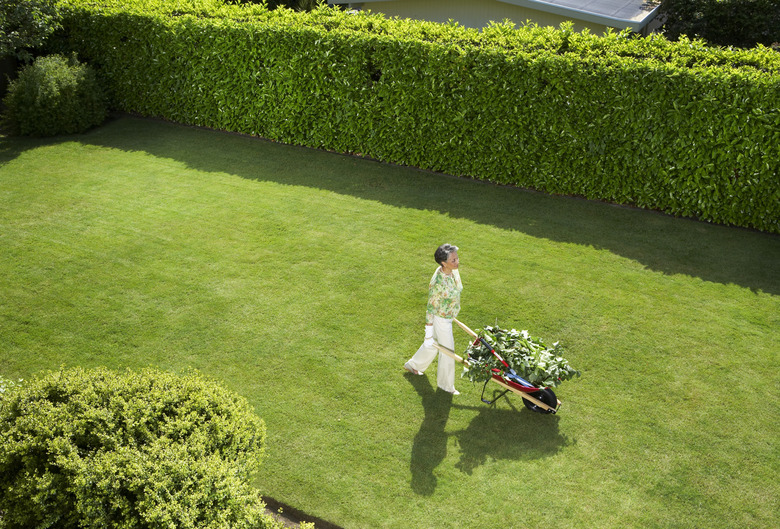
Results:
[298, 279]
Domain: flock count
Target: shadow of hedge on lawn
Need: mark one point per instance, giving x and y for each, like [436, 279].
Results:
[659, 242]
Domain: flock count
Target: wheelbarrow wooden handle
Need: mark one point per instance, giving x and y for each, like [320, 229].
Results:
[526, 396]
[463, 326]
[449, 352]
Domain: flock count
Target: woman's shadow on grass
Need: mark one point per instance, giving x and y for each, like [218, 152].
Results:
[430, 443]
[495, 433]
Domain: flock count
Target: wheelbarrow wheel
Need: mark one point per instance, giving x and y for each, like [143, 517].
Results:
[547, 396]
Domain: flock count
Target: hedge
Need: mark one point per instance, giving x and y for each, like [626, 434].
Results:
[678, 127]
[149, 449]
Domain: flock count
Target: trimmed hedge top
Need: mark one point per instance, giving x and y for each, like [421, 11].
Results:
[505, 36]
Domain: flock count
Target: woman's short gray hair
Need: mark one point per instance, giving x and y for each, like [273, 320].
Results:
[443, 252]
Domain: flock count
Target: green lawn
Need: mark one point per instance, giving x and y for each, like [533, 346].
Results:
[298, 278]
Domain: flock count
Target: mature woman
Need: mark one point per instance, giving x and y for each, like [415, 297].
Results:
[443, 305]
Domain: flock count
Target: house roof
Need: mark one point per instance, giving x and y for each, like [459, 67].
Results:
[614, 13]
[620, 14]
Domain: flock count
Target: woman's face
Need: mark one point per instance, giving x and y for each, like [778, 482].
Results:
[452, 261]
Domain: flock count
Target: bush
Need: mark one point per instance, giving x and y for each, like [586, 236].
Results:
[134, 450]
[52, 96]
[7, 386]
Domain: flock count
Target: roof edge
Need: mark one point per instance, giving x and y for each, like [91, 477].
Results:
[620, 23]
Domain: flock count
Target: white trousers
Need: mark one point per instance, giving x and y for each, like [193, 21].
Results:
[442, 333]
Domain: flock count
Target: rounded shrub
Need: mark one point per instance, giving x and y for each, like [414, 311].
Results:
[97, 448]
[54, 95]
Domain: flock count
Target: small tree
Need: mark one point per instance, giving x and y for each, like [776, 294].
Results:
[25, 25]
[740, 23]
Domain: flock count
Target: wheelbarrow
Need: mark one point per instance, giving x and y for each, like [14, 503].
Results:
[540, 400]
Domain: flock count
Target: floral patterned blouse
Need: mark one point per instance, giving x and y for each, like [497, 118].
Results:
[443, 296]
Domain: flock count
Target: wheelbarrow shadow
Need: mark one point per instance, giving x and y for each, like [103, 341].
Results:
[498, 432]
[504, 431]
